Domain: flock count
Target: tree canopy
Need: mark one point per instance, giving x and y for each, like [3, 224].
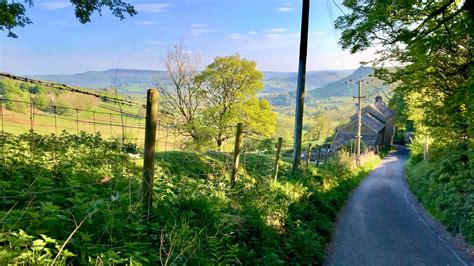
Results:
[230, 86]
[13, 14]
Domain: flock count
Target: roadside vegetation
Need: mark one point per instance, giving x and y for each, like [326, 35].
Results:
[54, 185]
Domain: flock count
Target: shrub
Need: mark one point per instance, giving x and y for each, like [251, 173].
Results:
[444, 186]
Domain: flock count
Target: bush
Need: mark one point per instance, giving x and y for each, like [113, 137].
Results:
[444, 186]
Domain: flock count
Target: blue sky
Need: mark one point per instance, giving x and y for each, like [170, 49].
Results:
[266, 31]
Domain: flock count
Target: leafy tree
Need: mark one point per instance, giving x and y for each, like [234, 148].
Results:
[13, 14]
[181, 95]
[320, 129]
[230, 86]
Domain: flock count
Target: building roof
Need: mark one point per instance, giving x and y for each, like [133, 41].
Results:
[381, 107]
[374, 116]
[378, 110]
[372, 122]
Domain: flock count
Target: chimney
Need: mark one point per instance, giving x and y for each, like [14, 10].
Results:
[378, 99]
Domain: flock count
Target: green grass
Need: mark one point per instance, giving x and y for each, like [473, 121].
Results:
[445, 187]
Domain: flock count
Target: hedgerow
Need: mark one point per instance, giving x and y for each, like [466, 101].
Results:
[445, 186]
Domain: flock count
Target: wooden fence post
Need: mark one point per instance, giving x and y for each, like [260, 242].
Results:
[95, 129]
[319, 155]
[32, 122]
[308, 155]
[326, 157]
[235, 167]
[149, 151]
[77, 121]
[55, 120]
[1, 111]
[277, 159]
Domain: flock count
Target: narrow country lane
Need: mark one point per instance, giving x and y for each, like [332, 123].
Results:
[382, 224]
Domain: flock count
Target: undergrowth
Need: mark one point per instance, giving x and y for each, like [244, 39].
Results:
[444, 185]
[53, 185]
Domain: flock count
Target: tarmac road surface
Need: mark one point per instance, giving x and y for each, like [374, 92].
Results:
[382, 224]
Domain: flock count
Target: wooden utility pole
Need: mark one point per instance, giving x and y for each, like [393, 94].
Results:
[277, 158]
[359, 122]
[149, 151]
[300, 87]
[235, 167]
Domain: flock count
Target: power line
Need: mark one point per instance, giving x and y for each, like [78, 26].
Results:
[340, 9]
[333, 28]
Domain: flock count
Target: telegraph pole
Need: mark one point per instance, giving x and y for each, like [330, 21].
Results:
[359, 122]
[300, 87]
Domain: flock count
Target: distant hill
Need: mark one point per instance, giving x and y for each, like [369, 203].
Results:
[347, 86]
[137, 81]
[333, 91]
[279, 82]
[126, 80]
[279, 88]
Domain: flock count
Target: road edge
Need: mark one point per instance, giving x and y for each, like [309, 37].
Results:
[460, 248]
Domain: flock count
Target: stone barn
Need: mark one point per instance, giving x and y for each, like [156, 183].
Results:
[378, 127]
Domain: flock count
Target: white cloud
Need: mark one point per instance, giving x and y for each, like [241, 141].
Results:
[276, 30]
[285, 9]
[252, 32]
[198, 25]
[235, 36]
[54, 5]
[199, 29]
[145, 23]
[153, 7]
[272, 36]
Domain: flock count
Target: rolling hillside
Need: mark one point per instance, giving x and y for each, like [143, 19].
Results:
[332, 92]
[127, 80]
[137, 81]
[279, 86]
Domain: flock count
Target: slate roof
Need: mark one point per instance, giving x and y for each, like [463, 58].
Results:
[377, 110]
[372, 122]
[374, 116]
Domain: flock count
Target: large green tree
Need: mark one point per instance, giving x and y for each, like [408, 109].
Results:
[13, 13]
[230, 85]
